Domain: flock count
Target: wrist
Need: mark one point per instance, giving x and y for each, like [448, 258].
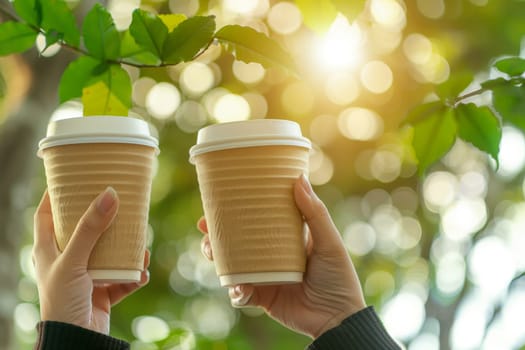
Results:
[337, 319]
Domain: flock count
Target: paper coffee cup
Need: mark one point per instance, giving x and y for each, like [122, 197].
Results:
[246, 173]
[82, 157]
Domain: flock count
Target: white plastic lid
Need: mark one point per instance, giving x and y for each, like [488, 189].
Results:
[250, 133]
[97, 129]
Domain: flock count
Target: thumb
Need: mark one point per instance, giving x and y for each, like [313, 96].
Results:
[325, 236]
[91, 225]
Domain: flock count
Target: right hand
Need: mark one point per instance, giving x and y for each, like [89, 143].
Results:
[66, 292]
[330, 291]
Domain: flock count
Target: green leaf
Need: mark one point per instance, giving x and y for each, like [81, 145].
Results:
[15, 37]
[433, 137]
[188, 38]
[134, 53]
[454, 85]
[108, 93]
[509, 102]
[495, 83]
[513, 66]
[56, 16]
[424, 111]
[101, 37]
[76, 77]
[172, 20]
[350, 8]
[149, 31]
[480, 127]
[249, 45]
[30, 11]
[318, 15]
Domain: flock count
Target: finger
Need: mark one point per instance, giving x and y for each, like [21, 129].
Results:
[45, 248]
[206, 247]
[324, 234]
[91, 225]
[117, 292]
[242, 295]
[202, 225]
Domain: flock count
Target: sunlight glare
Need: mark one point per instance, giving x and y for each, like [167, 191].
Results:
[340, 48]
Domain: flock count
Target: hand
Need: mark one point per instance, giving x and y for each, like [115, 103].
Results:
[65, 289]
[330, 291]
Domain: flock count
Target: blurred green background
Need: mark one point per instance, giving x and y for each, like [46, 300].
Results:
[439, 256]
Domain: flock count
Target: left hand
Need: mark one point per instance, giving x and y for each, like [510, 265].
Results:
[65, 289]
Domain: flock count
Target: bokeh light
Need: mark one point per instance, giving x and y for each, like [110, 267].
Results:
[141, 88]
[241, 6]
[433, 9]
[403, 315]
[284, 18]
[361, 124]
[162, 100]
[187, 7]
[389, 13]
[511, 153]
[248, 73]
[43, 49]
[490, 277]
[191, 116]
[121, 11]
[196, 78]
[439, 190]
[231, 107]
[342, 89]
[359, 238]
[377, 77]
[324, 130]
[463, 218]
[417, 48]
[150, 328]
[321, 167]
[258, 104]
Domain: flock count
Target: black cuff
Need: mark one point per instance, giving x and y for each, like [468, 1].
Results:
[64, 336]
[362, 330]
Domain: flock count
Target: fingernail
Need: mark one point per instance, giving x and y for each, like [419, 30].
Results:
[306, 185]
[107, 200]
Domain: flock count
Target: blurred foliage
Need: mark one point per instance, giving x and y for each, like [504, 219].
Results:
[419, 243]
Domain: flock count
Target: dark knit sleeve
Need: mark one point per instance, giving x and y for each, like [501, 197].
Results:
[64, 336]
[362, 330]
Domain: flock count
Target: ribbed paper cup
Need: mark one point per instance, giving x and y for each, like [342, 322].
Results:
[82, 157]
[246, 173]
